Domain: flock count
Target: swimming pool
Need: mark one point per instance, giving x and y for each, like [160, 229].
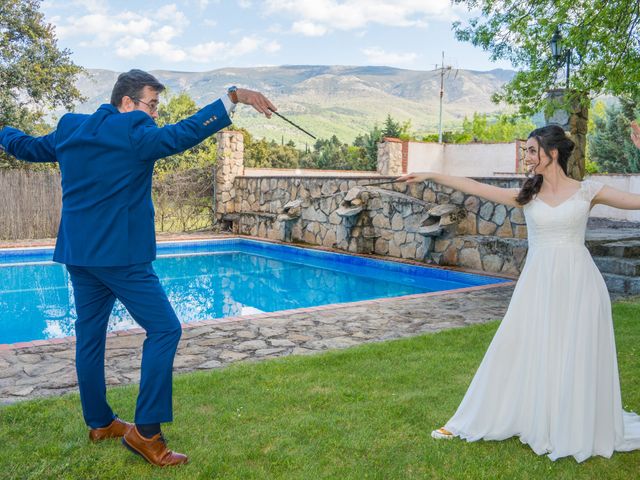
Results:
[215, 279]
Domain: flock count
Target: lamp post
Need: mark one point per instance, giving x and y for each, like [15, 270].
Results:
[559, 55]
[574, 112]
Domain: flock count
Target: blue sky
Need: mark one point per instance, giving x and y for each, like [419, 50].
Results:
[202, 35]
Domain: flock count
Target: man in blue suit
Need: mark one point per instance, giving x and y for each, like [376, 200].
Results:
[107, 241]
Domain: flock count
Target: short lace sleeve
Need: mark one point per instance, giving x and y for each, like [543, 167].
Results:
[590, 189]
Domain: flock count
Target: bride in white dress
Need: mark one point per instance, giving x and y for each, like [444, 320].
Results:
[550, 375]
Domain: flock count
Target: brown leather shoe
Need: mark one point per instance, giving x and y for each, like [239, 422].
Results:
[115, 429]
[154, 450]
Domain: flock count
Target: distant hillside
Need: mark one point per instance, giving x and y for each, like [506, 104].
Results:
[327, 100]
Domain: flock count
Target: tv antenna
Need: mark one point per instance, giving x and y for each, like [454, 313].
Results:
[443, 70]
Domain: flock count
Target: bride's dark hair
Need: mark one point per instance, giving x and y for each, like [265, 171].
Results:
[549, 137]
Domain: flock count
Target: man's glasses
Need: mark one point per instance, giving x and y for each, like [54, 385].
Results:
[153, 107]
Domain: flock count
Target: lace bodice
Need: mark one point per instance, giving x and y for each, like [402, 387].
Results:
[564, 224]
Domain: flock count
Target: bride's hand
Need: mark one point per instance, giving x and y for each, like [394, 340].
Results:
[416, 177]
[635, 133]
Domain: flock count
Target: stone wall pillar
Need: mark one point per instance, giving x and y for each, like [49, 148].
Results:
[390, 157]
[230, 165]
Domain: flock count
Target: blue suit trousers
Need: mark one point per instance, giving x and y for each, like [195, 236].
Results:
[138, 288]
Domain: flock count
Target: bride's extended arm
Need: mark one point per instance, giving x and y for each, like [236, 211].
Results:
[506, 196]
[617, 198]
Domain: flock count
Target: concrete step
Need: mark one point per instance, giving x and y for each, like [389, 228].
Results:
[620, 266]
[625, 248]
[622, 284]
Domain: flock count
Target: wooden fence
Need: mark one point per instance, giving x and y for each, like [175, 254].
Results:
[30, 203]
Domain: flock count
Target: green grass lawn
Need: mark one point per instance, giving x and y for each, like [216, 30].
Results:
[361, 413]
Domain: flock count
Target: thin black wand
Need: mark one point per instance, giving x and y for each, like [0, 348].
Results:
[379, 183]
[297, 126]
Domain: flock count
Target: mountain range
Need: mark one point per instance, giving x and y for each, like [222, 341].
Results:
[327, 100]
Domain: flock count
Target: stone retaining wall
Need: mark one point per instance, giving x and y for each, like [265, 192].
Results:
[488, 237]
[424, 222]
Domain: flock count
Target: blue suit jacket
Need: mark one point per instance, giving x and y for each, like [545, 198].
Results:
[106, 161]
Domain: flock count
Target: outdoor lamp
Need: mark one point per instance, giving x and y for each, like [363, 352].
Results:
[555, 45]
[559, 54]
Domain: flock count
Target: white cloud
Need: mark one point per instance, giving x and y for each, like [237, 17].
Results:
[130, 34]
[310, 18]
[208, 52]
[204, 4]
[167, 32]
[212, 52]
[93, 6]
[156, 33]
[102, 29]
[247, 45]
[133, 47]
[308, 29]
[166, 51]
[170, 13]
[377, 56]
[245, 4]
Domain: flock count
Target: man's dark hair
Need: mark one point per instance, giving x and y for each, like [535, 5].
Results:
[131, 83]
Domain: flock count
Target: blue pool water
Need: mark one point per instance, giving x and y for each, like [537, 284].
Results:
[214, 279]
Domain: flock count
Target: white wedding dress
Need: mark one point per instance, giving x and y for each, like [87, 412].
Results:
[550, 375]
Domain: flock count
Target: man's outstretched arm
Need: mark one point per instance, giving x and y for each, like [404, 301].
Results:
[153, 143]
[28, 148]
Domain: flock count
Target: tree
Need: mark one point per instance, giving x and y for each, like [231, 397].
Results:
[330, 154]
[609, 145]
[175, 109]
[602, 34]
[485, 128]
[265, 154]
[395, 129]
[391, 128]
[504, 128]
[369, 143]
[34, 74]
